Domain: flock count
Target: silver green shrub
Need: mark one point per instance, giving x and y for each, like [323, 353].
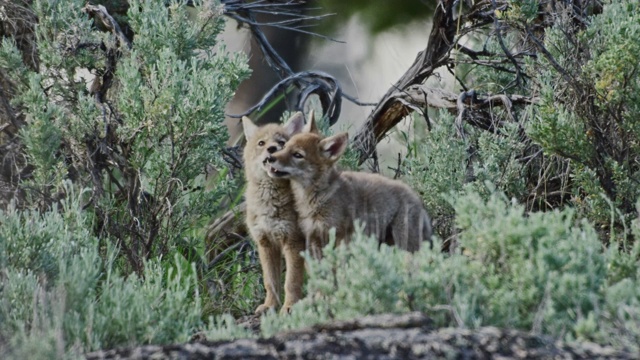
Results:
[588, 112]
[112, 265]
[544, 272]
[141, 143]
[443, 164]
[60, 297]
[436, 167]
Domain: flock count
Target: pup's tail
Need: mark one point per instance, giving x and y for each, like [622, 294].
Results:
[427, 230]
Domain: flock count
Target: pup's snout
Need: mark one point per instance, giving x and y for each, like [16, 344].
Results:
[272, 149]
[271, 159]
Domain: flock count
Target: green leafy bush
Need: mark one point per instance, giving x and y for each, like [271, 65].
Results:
[435, 167]
[61, 297]
[141, 135]
[135, 122]
[544, 272]
[588, 113]
[442, 163]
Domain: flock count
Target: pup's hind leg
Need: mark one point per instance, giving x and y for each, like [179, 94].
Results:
[418, 228]
[427, 230]
[295, 273]
[401, 229]
[271, 262]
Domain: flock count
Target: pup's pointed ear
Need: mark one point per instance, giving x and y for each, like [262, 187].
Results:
[334, 146]
[295, 123]
[249, 127]
[311, 127]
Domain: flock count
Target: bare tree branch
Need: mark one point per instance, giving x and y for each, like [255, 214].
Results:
[325, 86]
[101, 13]
[306, 83]
[389, 110]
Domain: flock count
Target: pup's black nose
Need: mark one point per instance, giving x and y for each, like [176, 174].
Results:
[272, 149]
[271, 159]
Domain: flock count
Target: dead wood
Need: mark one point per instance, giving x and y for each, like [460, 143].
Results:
[408, 336]
[410, 94]
[108, 21]
[389, 111]
[226, 231]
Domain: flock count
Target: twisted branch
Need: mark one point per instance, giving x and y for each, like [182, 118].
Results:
[306, 83]
[389, 110]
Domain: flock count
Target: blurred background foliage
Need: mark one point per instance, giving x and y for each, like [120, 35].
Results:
[377, 15]
[121, 216]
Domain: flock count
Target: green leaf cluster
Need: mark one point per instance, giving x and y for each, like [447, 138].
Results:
[542, 272]
[588, 113]
[142, 143]
[63, 294]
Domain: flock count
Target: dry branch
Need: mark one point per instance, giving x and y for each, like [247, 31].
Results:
[101, 13]
[390, 110]
[226, 230]
[409, 94]
[408, 336]
[418, 97]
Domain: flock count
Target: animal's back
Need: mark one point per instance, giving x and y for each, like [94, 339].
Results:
[377, 186]
[391, 209]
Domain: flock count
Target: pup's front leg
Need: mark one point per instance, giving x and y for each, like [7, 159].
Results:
[271, 262]
[295, 273]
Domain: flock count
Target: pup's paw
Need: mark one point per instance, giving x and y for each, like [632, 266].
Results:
[286, 309]
[264, 308]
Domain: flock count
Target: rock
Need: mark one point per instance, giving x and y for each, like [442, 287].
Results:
[408, 336]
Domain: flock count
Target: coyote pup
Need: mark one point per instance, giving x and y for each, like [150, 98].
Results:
[271, 216]
[326, 197]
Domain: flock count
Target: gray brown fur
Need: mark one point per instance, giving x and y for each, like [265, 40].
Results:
[328, 198]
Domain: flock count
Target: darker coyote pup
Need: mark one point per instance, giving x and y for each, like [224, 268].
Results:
[327, 198]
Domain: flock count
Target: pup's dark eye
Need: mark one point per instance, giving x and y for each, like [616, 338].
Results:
[260, 143]
[281, 143]
[297, 155]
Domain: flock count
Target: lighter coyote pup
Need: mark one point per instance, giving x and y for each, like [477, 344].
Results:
[327, 198]
[271, 215]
